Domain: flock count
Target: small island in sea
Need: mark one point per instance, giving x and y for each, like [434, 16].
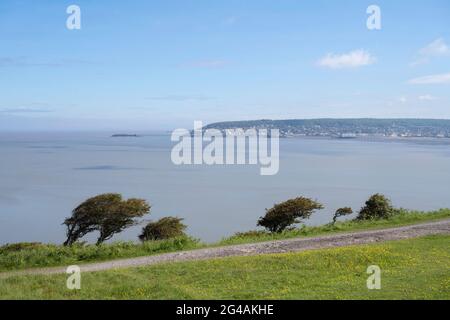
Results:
[124, 135]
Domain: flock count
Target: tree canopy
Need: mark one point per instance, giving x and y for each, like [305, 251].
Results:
[287, 213]
[164, 228]
[376, 207]
[107, 213]
[342, 212]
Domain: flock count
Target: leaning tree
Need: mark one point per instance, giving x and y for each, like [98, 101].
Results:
[107, 213]
[287, 213]
[342, 212]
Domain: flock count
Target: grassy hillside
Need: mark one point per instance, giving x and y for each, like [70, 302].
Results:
[401, 218]
[31, 255]
[411, 269]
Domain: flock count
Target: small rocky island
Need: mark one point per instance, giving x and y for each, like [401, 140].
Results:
[124, 135]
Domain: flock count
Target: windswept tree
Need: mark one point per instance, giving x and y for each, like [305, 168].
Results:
[164, 228]
[287, 213]
[342, 212]
[122, 216]
[376, 207]
[107, 213]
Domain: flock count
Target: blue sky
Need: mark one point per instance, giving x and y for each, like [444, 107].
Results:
[150, 65]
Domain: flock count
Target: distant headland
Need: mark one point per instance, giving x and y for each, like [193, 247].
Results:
[346, 128]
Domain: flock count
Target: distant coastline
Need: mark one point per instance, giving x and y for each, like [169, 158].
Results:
[346, 128]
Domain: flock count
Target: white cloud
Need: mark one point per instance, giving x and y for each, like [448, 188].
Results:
[427, 97]
[353, 59]
[437, 48]
[432, 79]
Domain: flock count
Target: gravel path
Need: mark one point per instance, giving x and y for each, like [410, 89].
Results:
[279, 246]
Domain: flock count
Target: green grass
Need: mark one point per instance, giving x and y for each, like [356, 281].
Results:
[30, 255]
[411, 269]
[401, 218]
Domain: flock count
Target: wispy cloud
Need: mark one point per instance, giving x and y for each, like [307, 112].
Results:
[437, 48]
[427, 97]
[230, 20]
[431, 79]
[8, 61]
[21, 110]
[24, 62]
[180, 97]
[207, 63]
[27, 62]
[408, 100]
[353, 59]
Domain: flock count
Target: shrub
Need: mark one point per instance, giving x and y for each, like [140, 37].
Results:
[165, 228]
[16, 247]
[376, 207]
[249, 234]
[287, 213]
[106, 213]
[342, 212]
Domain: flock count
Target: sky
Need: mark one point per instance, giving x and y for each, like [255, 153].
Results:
[159, 65]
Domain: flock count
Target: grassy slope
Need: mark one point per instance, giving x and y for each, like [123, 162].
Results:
[17, 257]
[411, 269]
[402, 218]
[32, 256]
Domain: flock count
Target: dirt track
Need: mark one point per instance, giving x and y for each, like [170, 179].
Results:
[279, 246]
